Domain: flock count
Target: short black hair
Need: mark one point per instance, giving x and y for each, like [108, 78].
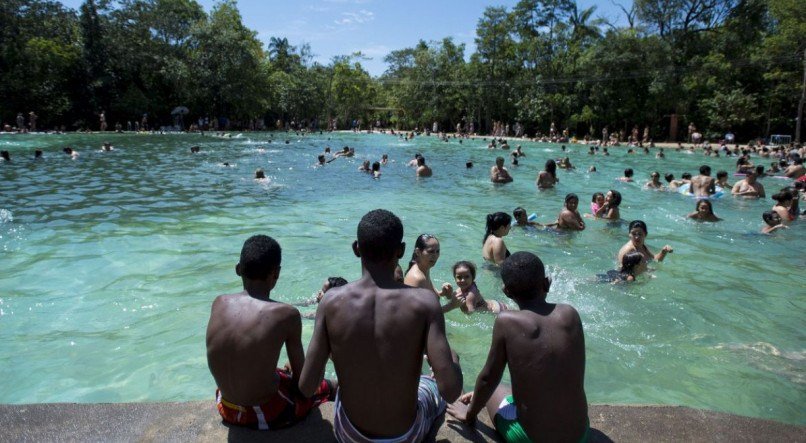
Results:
[705, 170]
[335, 282]
[260, 255]
[628, 172]
[523, 274]
[380, 234]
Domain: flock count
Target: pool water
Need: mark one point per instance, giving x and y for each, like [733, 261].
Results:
[110, 263]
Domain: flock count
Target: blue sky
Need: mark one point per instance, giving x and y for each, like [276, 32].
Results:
[374, 27]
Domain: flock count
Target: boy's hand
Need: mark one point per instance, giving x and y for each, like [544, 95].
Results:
[458, 410]
[447, 290]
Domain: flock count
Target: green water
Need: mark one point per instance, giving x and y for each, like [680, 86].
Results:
[110, 263]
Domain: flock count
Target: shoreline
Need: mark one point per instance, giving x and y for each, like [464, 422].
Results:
[199, 421]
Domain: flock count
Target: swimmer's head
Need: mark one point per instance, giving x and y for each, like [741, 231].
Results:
[260, 259]
[38, 153]
[638, 224]
[722, 174]
[495, 222]
[771, 218]
[469, 165]
[333, 282]
[630, 261]
[421, 161]
[628, 172]
[551, 167]
[571, 201]
[784, 197]
[321, 159]
[380, 237]
[669, 177]
[499, 161]
[686, 176]
[327, 149]
[655, 176]
[705, 170]
[705, 207]
[598, 198]
[259, 174]
[68, 150]
[524, 277]
[6, 156]
[520, 215]
[464, 273]
[613, 197]
[376, 166]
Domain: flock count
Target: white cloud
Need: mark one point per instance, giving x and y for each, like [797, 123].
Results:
[375, 51]
[355, 18]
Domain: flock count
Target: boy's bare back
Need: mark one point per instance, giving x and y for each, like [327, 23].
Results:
[244, 339]
[545, 352]
[377, 339]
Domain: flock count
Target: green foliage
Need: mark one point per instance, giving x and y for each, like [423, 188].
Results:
[727, 64]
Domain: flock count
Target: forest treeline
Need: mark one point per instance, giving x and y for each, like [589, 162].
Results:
[735, 65]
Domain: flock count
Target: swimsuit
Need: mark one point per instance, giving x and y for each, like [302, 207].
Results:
[430, 405]
[508, 426]
[594, 208]
[285, 408]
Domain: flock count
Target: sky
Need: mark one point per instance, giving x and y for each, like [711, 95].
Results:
[374, 27]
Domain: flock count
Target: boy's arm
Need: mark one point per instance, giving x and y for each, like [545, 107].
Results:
[490, 375]
[318, 352]
[293, 346]
[446, 369]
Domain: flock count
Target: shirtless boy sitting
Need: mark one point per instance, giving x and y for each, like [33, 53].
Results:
[245, 335]
[375, 330]
[544, 346]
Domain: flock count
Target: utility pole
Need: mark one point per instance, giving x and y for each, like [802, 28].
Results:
[799, 121]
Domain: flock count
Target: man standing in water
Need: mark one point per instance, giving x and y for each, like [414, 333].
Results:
[703, 185]
[245, 335]
[749, 187]
[376, 330]
[498, 173]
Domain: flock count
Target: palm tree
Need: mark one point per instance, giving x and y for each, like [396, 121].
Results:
[581, 29]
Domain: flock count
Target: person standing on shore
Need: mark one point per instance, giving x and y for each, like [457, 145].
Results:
[376, 330]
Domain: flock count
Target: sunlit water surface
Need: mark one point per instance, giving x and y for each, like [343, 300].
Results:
[110, 263]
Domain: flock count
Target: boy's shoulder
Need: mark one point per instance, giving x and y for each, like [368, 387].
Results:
[560, 315]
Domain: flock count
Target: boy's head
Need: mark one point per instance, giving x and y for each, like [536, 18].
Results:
[628, 172]
[722, 175]
[524, 276]
[771, 218]
[260, 258]
[705, 170]
[520, 215]
[380, 237]
[333, 282]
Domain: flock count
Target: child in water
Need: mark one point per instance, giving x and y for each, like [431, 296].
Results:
[627, 271]
[467, 296]
[773, 222]
[597, 201]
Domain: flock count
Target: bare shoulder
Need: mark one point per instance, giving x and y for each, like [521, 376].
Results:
[566, 316]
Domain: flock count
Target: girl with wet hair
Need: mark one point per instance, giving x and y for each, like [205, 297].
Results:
[548, 176]
[704, 212]
[423, 258]
[493, 248]
[610, 209]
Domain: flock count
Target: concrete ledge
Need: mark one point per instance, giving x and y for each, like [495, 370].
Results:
[199, 421]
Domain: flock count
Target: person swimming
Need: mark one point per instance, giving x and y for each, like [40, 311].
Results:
[547, 178]
[704, 212]
[637, 232]
[569, 218]
[627, 271]
[467, 295]
[493, 248]
[772, 222]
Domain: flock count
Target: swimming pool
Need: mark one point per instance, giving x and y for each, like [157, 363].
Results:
[111, 261]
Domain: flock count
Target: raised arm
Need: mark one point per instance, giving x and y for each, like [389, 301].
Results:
[313, 370]
[446, 369]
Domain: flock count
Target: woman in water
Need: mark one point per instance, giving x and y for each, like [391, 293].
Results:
[467, 296]
[704, 212]
[498, 225]
[569, 218]
[424, 257]
[784, 202]
[638, 232]
[548, 176]
[609, 210]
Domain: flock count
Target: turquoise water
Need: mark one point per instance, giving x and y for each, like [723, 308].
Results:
[111, 261]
